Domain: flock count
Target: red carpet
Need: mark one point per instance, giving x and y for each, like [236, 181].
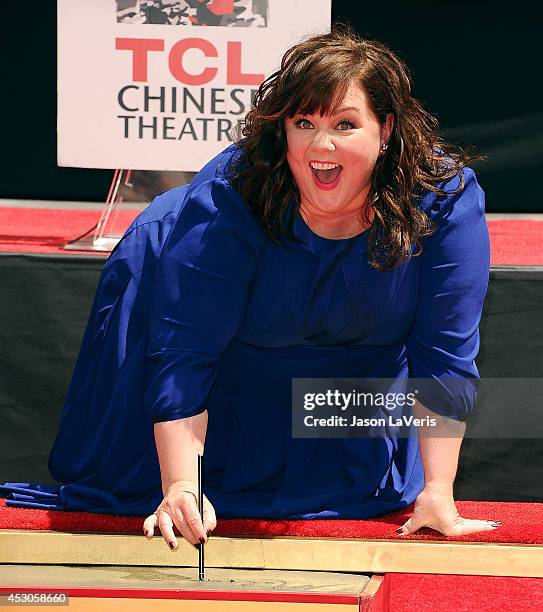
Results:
[516, 242]
[439, 592]
[46, 230]
[521, 523]
[36, 230]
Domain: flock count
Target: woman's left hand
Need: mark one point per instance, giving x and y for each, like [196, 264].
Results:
[436, 509]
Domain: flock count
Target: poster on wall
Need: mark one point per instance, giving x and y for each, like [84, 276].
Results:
[160, 84]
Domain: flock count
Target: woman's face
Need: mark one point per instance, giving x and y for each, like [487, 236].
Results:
[332, 157]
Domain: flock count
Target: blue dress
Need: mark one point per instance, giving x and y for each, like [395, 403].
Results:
[196, 308]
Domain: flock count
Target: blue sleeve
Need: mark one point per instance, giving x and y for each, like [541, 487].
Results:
[454, 271]
[200, 298]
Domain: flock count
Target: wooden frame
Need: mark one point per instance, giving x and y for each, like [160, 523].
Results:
[286, 553]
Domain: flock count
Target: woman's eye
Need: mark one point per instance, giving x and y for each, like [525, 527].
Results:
[303, 123]
[347, 125]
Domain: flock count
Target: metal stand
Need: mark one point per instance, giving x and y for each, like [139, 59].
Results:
[137, 187]
[99, 238]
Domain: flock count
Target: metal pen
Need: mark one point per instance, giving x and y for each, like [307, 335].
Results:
[201, 509]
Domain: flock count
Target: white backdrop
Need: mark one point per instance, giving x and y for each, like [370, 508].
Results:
[163, 96]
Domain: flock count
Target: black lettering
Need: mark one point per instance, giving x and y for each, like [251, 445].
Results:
[167, 128]
[142, 126]
[221, 129]
[126, 118]
[241, 105]
[198, 105]
[147, 97]
[187, 128]
[216, 100]
[120, 98]
[205, 121]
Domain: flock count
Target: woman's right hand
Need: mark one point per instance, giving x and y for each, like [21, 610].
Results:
[179, 507]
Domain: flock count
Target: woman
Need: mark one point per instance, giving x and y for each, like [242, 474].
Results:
[340, 238]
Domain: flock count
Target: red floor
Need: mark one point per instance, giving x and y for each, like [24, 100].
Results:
[522, 523]
[514, 242]
[454, 593]
[398, 592]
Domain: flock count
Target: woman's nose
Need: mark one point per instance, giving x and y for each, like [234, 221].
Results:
[323, 141]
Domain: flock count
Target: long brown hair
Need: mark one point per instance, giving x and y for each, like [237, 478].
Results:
[315, 76]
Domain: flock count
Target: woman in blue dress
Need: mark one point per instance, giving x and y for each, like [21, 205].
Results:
[339, 238]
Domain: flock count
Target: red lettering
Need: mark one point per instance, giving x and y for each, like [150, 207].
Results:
[140, 47]
[234, 74]
[176, 61]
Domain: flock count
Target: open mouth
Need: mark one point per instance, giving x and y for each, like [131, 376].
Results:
[326, 175]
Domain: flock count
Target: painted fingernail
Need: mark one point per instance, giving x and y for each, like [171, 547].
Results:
[399, 530]
[172, 545]
[202, 541]
[196, 546]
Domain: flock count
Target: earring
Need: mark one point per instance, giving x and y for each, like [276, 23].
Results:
[383, 148]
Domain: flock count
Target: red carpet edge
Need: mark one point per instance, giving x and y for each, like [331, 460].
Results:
[521, 524]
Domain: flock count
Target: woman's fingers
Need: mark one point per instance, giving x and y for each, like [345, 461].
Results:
[165, 524]
[181, 512]
[194, 523]
[149, 525]
[459, 527]
[468, 526]
[210, 520]
[411, 525]
[438, 511]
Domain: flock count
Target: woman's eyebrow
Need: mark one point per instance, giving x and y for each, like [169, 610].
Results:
[346, 108]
